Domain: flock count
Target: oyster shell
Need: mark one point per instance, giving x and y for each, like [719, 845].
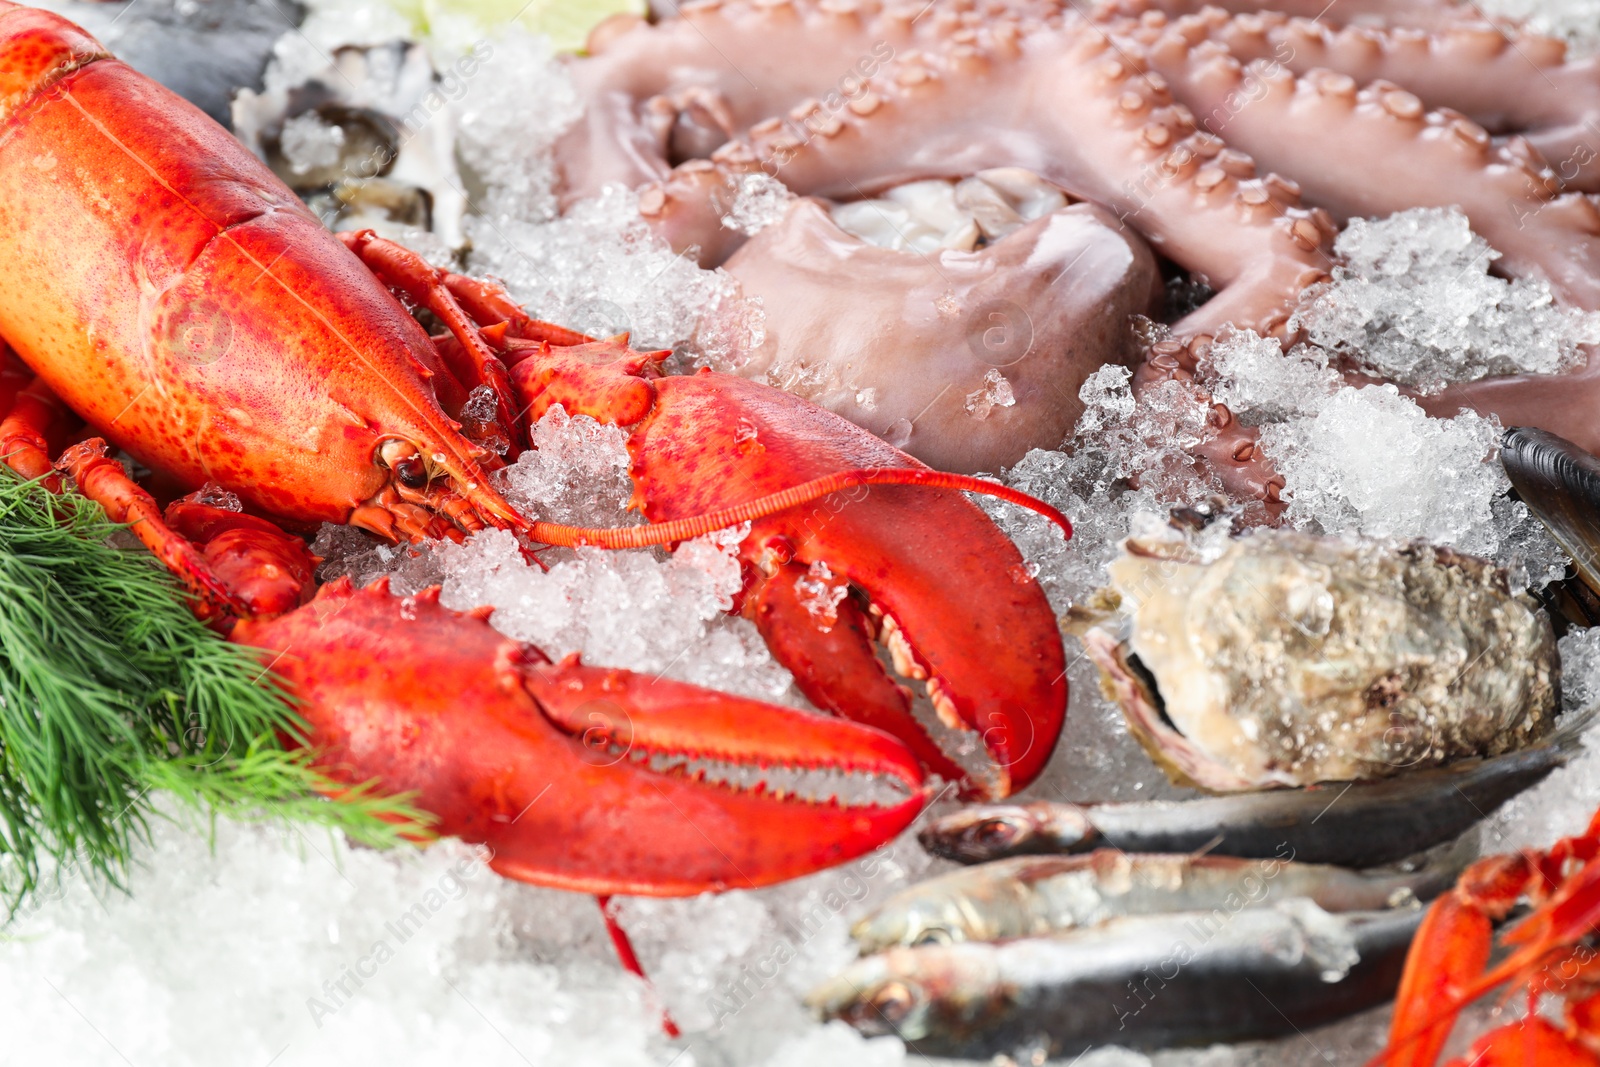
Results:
[1283, 659]
[366, 141]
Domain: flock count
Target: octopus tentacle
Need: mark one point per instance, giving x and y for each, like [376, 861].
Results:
[660, 94]
[1411, 158]
[1099, 126]
[1508, 82]
[1421, 14]
[1230, 450]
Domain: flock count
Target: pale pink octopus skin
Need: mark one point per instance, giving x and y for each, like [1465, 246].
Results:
[956, 315]
[1105, 107]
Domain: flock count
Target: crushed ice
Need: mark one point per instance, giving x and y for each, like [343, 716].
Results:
[995, 392]
[1575, 21]
[1367, 459]
[243, 946]
[642, 609]
[600, 270]
[1356, 458]
[761, 200]
[1415, 303]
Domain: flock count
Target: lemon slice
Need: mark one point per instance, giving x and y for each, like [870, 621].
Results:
[566, 22]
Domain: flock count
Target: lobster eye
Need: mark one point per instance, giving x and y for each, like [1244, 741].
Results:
[407, 463]
[413, 474]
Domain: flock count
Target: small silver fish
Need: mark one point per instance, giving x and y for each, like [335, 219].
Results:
[1363, 824]
[1033, 896]
[1146, 981]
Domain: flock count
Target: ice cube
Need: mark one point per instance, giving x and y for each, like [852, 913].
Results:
[995, 392]
[308, 142]
[761, 201]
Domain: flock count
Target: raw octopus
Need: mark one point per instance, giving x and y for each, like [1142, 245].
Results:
[1233, 140]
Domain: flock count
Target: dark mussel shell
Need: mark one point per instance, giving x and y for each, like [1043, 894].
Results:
[1560, 483]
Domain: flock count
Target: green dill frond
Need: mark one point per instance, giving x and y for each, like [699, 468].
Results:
[111, 690]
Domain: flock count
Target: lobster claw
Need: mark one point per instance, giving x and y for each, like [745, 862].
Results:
[940, 585]
[579, 777]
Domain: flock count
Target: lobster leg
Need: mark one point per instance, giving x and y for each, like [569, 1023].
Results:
[399, 267]
[630, 959]
[36, 414]
[1446, 968]
[1447, 954]
[103, 480]
[268, 571]
[1527, 1042]
[488, 303]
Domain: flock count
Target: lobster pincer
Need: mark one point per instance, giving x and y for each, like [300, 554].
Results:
[843, 526]
[578, 777]
[892, 557]
[585, 778]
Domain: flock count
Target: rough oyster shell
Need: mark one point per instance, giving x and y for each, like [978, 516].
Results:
[366, 140]
[1288, 659]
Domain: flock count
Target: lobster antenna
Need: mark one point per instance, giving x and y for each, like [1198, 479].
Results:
[659, 533]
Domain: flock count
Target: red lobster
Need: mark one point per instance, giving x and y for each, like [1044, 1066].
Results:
[169, 291]
[1553, 950]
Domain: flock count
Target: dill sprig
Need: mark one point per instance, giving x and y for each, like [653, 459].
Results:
[111, 691]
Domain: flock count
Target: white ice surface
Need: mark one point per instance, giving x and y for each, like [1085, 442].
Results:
[1574, 21]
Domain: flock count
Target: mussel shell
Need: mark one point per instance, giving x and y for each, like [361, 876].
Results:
[1560, 483]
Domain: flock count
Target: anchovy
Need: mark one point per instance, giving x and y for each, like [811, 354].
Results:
[1032, 896]
[1361, 824]
[1148, 981]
